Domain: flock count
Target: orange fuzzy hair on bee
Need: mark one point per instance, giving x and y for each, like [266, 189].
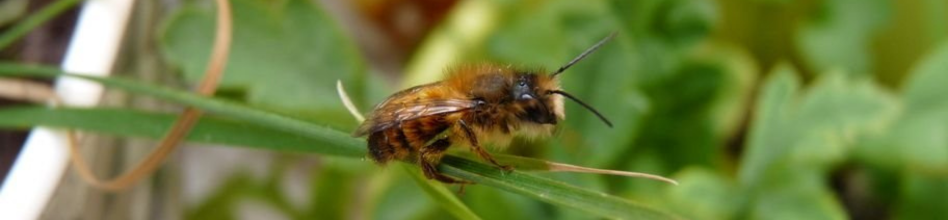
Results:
[494, 84]
[474, 103]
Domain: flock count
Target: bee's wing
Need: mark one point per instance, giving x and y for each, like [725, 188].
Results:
[392, 112]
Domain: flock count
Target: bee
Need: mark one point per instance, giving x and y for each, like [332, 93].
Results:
[474, 105]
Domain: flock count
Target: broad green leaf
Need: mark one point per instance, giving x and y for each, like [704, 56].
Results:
[683, 22]
[799, 195]
[912, 31]
[916, 146]
[285, 55]
[339, 143]
[705, 194]
[776, 95]
[834, 112]
[740, 77]
[838, 34]
[918, 139]
[924, 90]
[798, 135]
[812, 129]
[693, 110]
[678, 125]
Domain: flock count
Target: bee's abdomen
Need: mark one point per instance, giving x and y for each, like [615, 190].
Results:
[406, 138]
[419, 131]
[388, 144]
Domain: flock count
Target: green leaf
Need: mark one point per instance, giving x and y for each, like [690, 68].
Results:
[133, 123]
[286, 54]
[925, 90]
[339, 143]
[550, 191]
[916, 146]
[797, 196]
[704, 194]
[917, 140]
[797, 136]
[812, 129]
[685, 21]
[839, 34]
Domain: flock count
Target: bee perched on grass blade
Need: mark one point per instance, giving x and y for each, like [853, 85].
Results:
[473, 105]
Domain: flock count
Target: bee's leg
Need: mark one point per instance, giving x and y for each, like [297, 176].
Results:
[430, 156]
[476, 147]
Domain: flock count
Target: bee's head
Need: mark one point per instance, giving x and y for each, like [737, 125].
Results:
[540, 94]
[531, 94]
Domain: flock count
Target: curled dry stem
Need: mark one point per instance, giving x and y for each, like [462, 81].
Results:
[213, 74]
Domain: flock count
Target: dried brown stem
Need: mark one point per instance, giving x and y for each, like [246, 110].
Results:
[181, 127]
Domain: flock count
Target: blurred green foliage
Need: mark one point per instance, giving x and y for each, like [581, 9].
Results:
[816, 109]
[286, 56]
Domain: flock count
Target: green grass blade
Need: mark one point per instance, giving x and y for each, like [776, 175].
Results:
[35, 20]
[340, 143]
[133, 123]
[550, 191]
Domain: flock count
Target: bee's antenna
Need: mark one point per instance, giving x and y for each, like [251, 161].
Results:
[584, 54]
[567, 95]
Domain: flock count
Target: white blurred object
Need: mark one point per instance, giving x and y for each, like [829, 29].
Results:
[45, 155]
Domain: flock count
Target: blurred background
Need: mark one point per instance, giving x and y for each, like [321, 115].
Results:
[761, 109]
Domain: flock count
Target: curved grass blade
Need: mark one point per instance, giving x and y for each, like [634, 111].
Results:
[533, 164]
